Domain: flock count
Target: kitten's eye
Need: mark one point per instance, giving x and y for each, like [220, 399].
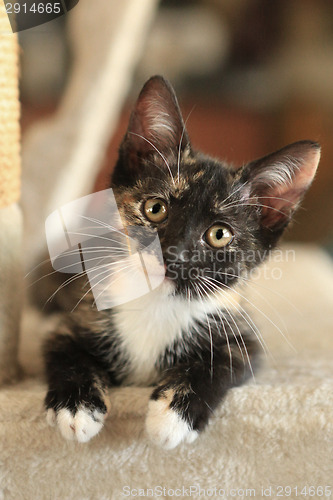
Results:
[218, 236]
[155, 210]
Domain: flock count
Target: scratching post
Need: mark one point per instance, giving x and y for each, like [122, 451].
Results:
[10, 216]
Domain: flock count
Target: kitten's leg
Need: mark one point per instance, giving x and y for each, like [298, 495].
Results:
[189, 393]
[76, 400]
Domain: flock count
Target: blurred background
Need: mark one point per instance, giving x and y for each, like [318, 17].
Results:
[251, 76]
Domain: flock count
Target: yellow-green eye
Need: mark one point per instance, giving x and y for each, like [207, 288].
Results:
[218, 236]
[155, 210]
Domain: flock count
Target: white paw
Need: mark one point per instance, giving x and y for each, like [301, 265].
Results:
[81, 426]
[165, 427]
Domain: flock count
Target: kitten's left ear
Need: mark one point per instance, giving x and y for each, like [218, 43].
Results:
[156, 124]
[279, 181]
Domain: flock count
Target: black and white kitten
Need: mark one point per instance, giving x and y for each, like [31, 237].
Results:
[188, 337]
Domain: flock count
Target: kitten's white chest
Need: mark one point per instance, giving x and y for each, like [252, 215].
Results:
[147, 326]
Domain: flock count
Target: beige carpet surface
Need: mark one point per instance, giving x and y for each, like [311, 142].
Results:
[275, 432]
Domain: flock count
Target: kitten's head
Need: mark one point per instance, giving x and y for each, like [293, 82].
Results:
[214, 222]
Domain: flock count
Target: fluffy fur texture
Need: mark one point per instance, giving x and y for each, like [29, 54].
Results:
[185, 336]
[277, 431]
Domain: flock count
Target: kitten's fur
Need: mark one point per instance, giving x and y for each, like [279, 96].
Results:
[189, 337]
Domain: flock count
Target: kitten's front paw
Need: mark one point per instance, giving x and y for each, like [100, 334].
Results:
[80, 425]
[77, 419]
[164, 426]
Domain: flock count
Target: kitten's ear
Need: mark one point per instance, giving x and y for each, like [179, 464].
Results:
[156, 124]
[279, 181]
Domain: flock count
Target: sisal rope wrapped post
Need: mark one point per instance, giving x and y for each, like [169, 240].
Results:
[10, 215]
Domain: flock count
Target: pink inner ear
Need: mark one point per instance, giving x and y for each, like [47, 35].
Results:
[278, 206]
[157, 124]
[280, 199]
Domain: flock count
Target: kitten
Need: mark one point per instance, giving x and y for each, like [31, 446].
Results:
[188, 337]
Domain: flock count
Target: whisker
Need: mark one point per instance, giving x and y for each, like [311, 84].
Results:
[94, 236]
[210, 337]
[74, 252]
[249, 281]
[254, 200]
[63, 285]
[238, 330]
[102, 223]
[225, 333]
[105, 278]
[71, 279]
[236, 191]
[259, 310]
[36, 267]
[253, 197]
[250, 323]
[237, 204]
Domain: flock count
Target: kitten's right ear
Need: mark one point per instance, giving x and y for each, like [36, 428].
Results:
[156, 126]
[279, 181]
